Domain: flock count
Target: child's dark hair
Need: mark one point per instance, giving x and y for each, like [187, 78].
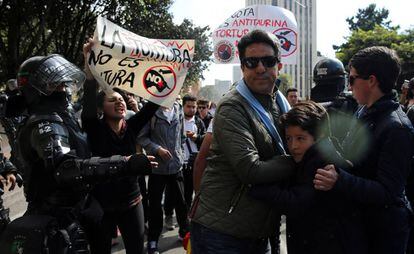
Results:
[310, 116]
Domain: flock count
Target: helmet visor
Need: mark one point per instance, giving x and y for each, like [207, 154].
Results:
[55, 71]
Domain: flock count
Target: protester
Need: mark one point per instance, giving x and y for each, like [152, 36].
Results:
[194, 130]
[316, 222]
[212, 109]
[409, 105]
[374, 145]
[203, 112]
[130, 101]
[244, 152]
[410, 181]
[292, 96]
[163, 137]
[120, 198]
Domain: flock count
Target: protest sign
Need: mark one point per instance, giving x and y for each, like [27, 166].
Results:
[150, 68]
[272, 19]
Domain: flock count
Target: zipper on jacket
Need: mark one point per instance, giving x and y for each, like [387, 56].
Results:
[235, 200]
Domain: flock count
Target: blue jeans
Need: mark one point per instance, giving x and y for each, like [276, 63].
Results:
[208, 241]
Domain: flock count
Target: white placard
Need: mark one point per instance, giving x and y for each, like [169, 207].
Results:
[150, 68]
[272, 19]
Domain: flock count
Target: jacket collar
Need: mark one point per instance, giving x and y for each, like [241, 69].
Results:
[385, 103]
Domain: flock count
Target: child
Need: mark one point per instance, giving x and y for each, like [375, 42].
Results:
[317, 222]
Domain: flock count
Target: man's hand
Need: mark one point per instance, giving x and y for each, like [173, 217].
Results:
[154, 164]
[9, 180]
[86, 48]
[325, 178]
[164, 154]
[132, 102]
[191, 135]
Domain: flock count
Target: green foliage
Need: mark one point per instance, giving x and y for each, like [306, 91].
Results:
[29, 28]
[402, 43]
[203, 51]
[370, 28]
[367, 18]
[285, 82]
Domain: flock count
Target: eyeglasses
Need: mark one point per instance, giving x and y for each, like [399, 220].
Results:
[201, 107]
[353, 78]
[253, 62]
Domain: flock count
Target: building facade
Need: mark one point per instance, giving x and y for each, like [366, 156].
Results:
[305, 13]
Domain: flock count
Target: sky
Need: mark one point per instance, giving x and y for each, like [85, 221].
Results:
[330, 17]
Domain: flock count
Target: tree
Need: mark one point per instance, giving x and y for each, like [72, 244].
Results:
[29, 28]
[210, 93]
[371, 29]
[203, 51]
[285, 82]
[403, 44]
[367, 18]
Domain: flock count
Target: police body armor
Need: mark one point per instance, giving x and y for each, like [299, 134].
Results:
[330, 78]
[58, 176]
[58, 170]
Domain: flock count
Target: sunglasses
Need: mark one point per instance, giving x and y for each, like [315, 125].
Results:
[201, 107]
[353, 78]
[253, 62]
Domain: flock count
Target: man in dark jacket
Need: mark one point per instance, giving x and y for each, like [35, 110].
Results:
[246, 149]
[380, 147]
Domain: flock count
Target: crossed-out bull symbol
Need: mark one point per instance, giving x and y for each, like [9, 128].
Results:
[155, 78]
[285, 43]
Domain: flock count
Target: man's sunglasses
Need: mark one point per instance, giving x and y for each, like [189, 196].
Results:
[201, 107]
[353, 78]
[253, 62]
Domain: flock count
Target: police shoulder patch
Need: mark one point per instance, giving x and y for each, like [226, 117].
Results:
[44, 127]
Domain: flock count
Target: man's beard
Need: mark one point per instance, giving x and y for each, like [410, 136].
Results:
[189, 116]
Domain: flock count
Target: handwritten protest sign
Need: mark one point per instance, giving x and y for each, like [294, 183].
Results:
[151, 68]
[272, 19]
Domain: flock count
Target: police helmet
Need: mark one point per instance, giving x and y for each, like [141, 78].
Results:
[46, 73]
[328, 69]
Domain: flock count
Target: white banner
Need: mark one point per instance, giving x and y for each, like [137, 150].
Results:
[150, 68]
[272, 19]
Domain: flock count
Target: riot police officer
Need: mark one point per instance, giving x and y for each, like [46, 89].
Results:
[12, 114]
[329, 76]
[8, 175]
[58, 170]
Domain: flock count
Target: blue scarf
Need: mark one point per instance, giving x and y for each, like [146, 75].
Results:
[263, 115]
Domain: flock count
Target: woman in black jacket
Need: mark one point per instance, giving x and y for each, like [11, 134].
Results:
[316, 222]
[120, 199]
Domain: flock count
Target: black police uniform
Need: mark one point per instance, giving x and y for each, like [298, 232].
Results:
[58, 170]
[6, 167]
[329, 77]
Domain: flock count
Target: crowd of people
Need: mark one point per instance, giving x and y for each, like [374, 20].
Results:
[338, 166]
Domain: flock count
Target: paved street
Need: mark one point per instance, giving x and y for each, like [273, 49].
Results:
[168, 244]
